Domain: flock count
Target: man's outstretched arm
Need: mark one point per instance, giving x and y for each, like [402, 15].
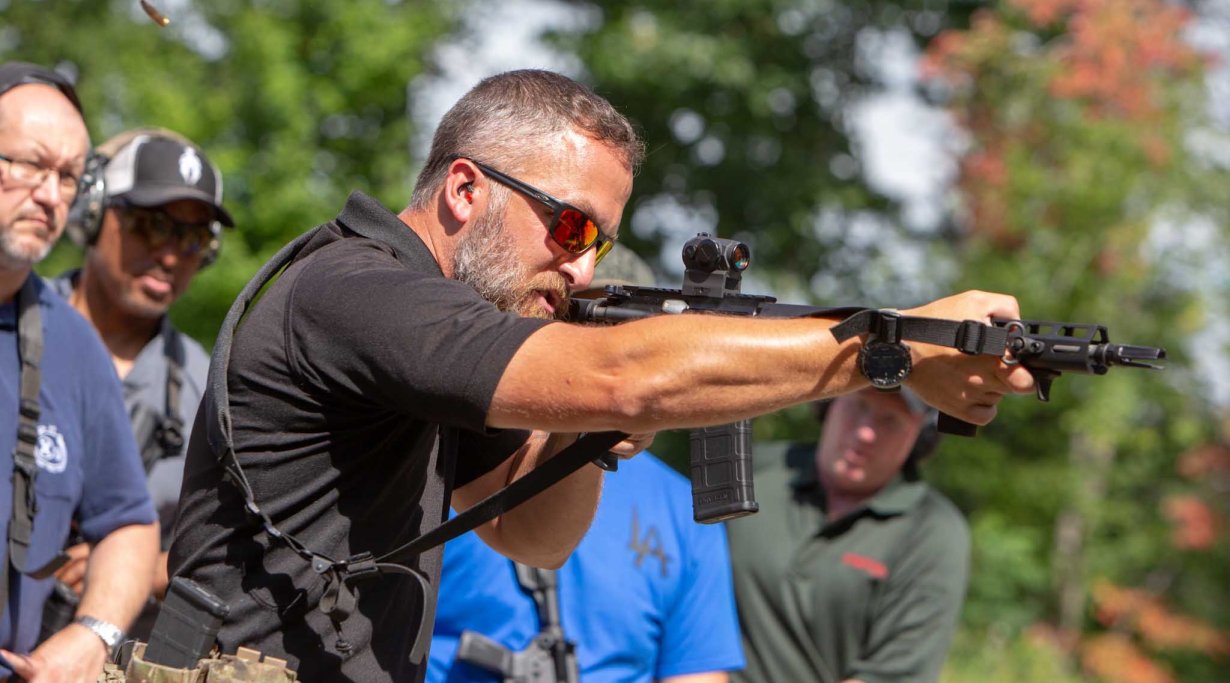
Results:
[678, 371]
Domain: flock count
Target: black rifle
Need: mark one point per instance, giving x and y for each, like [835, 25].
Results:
[721, 456]
[549, 658]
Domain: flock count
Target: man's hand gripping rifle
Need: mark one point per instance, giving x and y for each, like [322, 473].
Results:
[713, 268]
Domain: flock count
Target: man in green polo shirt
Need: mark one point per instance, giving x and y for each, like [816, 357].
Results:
[854, 569]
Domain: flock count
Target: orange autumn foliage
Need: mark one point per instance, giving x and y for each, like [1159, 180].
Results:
[1135, 610]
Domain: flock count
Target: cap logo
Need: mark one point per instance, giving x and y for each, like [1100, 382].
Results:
[190, 166]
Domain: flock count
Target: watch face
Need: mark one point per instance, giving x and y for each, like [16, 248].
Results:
[886, 365]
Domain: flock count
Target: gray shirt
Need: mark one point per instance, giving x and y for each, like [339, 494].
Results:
[145, 390]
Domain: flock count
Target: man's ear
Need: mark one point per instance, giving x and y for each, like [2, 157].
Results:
[459, 189]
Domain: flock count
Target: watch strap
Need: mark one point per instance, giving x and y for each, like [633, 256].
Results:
[967, 336]
[110, 634]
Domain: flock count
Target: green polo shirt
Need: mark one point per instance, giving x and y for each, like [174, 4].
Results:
[872, 596]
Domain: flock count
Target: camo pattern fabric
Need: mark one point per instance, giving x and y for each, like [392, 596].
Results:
[246, 666]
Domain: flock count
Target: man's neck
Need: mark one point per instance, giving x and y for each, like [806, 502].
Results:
[11, 281]
[838, 504]
[434, 236]
[124, 335]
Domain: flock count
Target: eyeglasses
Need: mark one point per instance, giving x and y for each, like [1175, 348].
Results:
[27, 173]
[157, 229]
[571, 228]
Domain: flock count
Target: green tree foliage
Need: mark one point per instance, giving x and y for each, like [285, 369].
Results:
[298, 102]
[1078, 113]
[745, 107]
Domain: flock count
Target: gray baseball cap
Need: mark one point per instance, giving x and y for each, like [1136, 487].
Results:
[153, 170]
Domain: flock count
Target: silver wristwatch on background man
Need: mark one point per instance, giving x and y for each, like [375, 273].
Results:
[109, 633]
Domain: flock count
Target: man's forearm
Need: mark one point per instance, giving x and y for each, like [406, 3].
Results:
[544, 530]
[120, 573]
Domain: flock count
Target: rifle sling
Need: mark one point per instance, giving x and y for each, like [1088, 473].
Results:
[967, 336]
[339, 599]
[25, 464]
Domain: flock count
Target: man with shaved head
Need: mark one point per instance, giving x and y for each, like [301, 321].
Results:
[63, 428]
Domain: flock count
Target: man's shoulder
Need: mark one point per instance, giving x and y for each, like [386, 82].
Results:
[937, 521]
[194, 352]
[66, 327]
[939, 507]
[350, 257]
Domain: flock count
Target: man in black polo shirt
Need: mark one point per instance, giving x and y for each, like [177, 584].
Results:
[397, 364]
[854, 570]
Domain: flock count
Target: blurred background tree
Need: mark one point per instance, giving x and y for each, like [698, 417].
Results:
[1081, 184]
[297, 102]
[1079, 116]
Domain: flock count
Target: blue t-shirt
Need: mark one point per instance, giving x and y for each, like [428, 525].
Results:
[646, 595]
[83, 436]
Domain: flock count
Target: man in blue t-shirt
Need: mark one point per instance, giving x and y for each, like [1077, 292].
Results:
[647, 595]
[85, 465]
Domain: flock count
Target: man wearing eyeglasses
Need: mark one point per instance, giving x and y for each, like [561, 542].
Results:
[154, 225]
[72, 454]
[400, 362]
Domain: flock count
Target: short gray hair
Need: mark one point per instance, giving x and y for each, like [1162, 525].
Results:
[503, 120]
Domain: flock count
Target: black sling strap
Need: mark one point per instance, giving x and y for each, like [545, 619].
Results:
[967, 336]
[340, 598]
[25, 466]
[170, 432]
[160, 432]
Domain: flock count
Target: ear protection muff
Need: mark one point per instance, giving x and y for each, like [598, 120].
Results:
[85, 216]
[215, 245]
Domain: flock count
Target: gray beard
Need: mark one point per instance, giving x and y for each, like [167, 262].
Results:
[491, 270]
[17, 256]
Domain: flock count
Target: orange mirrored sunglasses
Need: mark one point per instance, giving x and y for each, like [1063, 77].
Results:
[571, 228]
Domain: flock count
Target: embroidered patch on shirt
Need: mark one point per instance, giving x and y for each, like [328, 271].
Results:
[874, 568]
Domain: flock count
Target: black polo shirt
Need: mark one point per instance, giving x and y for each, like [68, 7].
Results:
[872, 596]
[360, 384]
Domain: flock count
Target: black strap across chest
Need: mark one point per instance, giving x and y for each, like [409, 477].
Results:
[340, 596]
[25, 464]
[171, 433]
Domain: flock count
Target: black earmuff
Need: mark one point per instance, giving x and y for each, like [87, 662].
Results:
[85, 216]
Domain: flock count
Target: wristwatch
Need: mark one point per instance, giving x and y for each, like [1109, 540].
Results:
[109, 633]
[885, 364]
[884, 359]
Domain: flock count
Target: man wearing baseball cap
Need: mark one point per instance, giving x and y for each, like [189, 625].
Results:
[855, 569]
[151, 225]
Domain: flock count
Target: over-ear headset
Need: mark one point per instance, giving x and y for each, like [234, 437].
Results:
[85, 220]
[13, 74]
